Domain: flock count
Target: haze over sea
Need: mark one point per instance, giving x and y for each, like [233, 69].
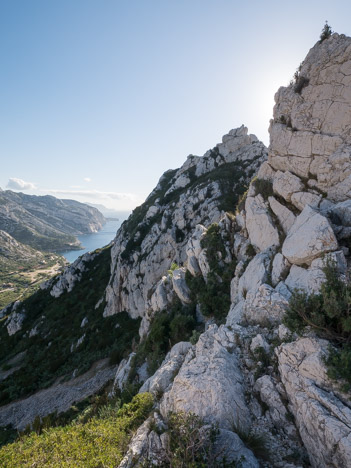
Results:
[98, 239]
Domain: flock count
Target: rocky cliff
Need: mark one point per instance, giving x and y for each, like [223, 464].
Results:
[45, 222]
[208, 272]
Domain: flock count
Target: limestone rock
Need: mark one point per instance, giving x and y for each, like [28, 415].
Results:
[280, 268]
[14, 322]
[257, 342]
[266, 172]
[138, 447]
[163, 294]
[179, 285]
[122, 374]
[164, 376]
[323, 420]
[262, 232]
[310, 236]
[285, 216]
[310, 280]
[269, 395]
[301, 199]
[256, 273]
[286, 184]
[264, 304]
[193, 251]
[139, 262]
[210, 382]
[310, 132]
[229, 446]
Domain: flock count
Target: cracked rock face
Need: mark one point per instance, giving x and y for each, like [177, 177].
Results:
[210, 383]
[309, 237]
[145, 248]
[311, 131]
[323, 419]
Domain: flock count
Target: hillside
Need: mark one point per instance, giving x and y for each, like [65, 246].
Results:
[45, 222]
[223, 303]
[23, 269]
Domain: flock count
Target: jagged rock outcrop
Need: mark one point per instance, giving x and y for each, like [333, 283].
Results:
[251, 376]
[210, 383]
[69, 277]
[323, 417]
[158, 231]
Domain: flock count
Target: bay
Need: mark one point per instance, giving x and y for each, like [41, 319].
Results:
[95, 240]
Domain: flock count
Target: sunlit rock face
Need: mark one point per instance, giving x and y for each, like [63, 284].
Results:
[311, 129]
[157, 233]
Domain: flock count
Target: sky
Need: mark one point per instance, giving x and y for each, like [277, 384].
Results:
[99, 97]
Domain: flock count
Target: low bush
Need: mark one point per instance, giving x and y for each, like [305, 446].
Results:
[263, 187]
[191, 444]
[326, 32]
[167, 329]
[329, 315]
[100, 442]
[213, 295]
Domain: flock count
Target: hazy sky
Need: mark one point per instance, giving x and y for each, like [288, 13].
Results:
[99, 97]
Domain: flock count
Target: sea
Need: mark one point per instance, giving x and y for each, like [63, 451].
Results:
[95, 240]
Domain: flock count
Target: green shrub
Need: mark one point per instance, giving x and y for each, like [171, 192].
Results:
[264, 187]
[329, 315]
[48, 355]
[255, 442]
[191, 444]
[167, 328]
[326, 32]
[100, 442]
[213, 295]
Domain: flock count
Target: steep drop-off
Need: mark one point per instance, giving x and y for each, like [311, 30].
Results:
[207, 280]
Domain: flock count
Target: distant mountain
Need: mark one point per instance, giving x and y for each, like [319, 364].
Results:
[108, 212]
[45, 222]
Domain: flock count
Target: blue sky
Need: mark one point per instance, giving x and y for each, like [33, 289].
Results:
[99, 97]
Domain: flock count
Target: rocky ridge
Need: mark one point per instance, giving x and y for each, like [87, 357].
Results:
[249, 375]
[296, 216]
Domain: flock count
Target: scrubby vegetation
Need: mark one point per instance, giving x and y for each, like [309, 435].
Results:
[329, 315]
[229, 176]
[47, 354]
[21, 277]
[213, 295]
[166, 329]
[264, 187]
[99, 442]
[326, 32]
[191, 444]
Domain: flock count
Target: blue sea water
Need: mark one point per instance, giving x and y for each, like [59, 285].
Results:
[96, 240]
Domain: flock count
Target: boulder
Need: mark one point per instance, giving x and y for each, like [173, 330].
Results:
[310, 237]
[256, 273]
[311, 279]
[179, 285]
[264, 305]
[285, 217]
[210, 383]
[301, 199]
[14, 322]
[286, 183]
[323, 419]
[122, 374]
[280, 268]
[165, 374]
[262, 232]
